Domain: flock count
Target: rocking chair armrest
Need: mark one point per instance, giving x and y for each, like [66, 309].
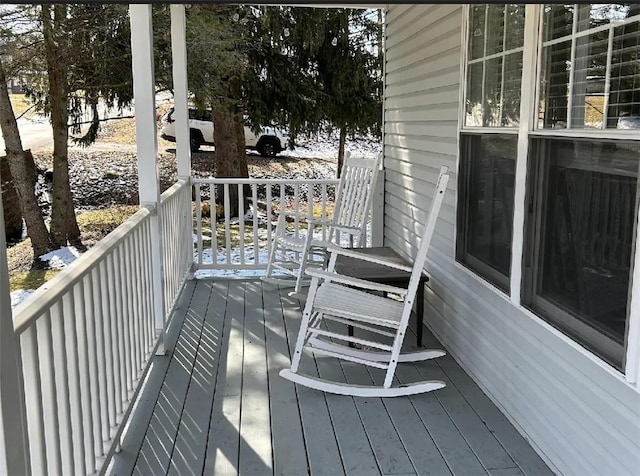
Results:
[351, 253]
[356, 282]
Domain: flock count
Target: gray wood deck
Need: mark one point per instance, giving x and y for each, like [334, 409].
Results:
[217, 405]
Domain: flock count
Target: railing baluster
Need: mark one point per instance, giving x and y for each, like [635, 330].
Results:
[227, 224]
[50, 404]
[256, 243]
[199, 219]
[60, 359]
[33, 400]
[92, 290]
[269, 218]
[72, 313]
[324, 211]
[241, 222]
[110, 342]
[105, 372]
[129, 347]
[214, 223]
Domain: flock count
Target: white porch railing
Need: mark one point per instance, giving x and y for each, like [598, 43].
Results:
[245, 244]
[88, 334]
[177, 223]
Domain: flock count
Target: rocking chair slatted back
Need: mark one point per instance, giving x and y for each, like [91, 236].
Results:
[353, 198]
[291, 255]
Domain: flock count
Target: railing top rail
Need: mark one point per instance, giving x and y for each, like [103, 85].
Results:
[174, 189]
[249, 181]
[45, 296]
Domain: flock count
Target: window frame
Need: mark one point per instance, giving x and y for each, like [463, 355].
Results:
[528, 131]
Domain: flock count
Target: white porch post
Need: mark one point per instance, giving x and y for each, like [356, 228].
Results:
[147, 147]
[377, 211]
[13, 418]
[180, 89]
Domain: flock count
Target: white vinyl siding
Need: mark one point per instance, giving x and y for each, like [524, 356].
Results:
[580, 414]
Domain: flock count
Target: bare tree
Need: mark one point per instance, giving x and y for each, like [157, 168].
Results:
[17, 158]
[64, 227]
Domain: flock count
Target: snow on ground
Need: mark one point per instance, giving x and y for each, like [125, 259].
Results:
[326, 147]
[61, 258]
[20, 295]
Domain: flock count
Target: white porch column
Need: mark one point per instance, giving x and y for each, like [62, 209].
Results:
[147, 147]
[180, 89]
[13, 418]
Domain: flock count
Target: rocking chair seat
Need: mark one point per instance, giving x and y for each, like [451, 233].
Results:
[340, 300]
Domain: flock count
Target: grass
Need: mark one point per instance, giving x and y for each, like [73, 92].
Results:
[19, 103]
[94, 225]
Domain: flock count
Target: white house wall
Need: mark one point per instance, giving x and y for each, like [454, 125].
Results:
[580, 414]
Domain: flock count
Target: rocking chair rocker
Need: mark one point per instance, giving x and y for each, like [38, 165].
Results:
[335, 298]
[292, 255]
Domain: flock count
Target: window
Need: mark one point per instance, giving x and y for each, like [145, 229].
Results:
[484, 241]
[583, 208]
[590, 79]
[487, 166]
[583, 156]
[495, 65]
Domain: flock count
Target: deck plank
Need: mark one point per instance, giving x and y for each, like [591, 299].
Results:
[288, 440]
[157, 447]
[488, 449]
[255, 424]
[520, 450]
[322, 448]
[191, 441]
[223, 442]
[459, 457]
[390, 453]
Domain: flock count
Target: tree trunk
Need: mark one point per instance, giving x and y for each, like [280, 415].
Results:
[12, 212]
[22, 175]
[343, 139]
[241, 147]
[64, 226]
[228, 161]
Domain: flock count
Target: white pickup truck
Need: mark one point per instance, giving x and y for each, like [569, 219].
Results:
[268, 143]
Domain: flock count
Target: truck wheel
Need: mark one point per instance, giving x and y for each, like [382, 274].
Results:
[269, 147]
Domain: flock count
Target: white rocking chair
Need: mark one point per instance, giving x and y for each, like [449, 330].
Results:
[291, 255]
[349, 301]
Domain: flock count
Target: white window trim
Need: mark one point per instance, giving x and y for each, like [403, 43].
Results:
[527, 120]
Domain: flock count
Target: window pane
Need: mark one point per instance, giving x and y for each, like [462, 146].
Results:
[492, 92]
[476, 33]
[558, 21]
[624, 98]
[585, 236]
[589, 74]
[554, 85]
[515, 27]
[489, 171]
[474, 95]
[511, 94]
[595, 15]
[495, 29]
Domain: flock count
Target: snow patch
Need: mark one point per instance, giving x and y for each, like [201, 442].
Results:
[19, 296]
[61, 258]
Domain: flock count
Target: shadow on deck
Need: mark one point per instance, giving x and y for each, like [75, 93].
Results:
[217, 405]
